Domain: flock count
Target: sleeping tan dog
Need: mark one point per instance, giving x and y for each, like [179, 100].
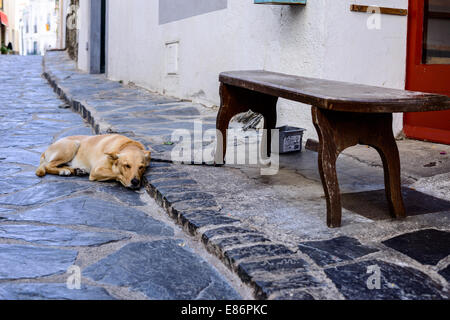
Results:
[104, 158]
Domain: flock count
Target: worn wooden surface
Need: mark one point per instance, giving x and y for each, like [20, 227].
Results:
[335, 95]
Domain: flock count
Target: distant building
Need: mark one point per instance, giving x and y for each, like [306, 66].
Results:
[39, 25]
[10, 23]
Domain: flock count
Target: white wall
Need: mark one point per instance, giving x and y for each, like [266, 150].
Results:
[83, 25]
[323, 39]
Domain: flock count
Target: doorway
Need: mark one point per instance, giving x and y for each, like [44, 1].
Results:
[98, 37]
[103, 38]
[428, 66]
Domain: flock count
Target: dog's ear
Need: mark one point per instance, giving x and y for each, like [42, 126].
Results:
[113, 156]
[148, 156]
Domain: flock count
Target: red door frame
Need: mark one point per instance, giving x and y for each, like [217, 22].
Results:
[434, 78]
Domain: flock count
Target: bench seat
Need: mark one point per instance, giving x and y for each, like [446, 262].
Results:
[335, 95]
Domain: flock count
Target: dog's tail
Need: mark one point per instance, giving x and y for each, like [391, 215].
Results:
[41, 172]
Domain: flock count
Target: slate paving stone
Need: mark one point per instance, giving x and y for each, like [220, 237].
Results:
[66, 116]
[244, 239]
[166, 175]
[174, 198]
[135, 121]
[335, 250]
[292, 265]
[226, 231]
[8, 170]
[199, 219]
[133, 198]
[10, 185]
[152, 132]
[78, 131]
[426, 246]
[373, 204]
[256, 251]
[16, 155]
[42, 193]
[445, 273]
[25, 141]
[148, 267]
[57, 237]
[96, 213]
[173, 183]
[163, 148]
[397, 283]
[51, 291]
[26, 262]
[189, 111]
[265, 288]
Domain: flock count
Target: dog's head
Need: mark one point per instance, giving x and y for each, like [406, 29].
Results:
[130, 165]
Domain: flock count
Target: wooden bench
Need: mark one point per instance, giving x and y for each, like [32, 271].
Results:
[344, 114]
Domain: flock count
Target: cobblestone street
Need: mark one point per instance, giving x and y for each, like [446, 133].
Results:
[120, 239]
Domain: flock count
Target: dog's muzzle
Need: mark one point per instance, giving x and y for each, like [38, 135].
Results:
[135, 183]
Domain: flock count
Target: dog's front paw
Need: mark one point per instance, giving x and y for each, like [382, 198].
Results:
[81, 172]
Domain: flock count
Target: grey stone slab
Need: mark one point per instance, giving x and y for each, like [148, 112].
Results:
[16, 155]
[262, 250]
[51, 291]
[335, 250]
[42, 193]
[241, 240]
[373, 204]
[10, 185]
[445, 273]
[151, 176]
[265, 288]
[123, 194]
[149, 268]
[226, 231]
[77, 131]
[187, 111]
[26, 262]
[188, 196]
[173, 183]
[25, 141]
[7, 170]
[396, 283]
[426, 246]
[96, 213]
[203, 218]
[66, 116]
[292, 265]
[57, 237]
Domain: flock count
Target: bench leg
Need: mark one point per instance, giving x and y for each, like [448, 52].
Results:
[235, 100]
[339, 130]
[388, 150]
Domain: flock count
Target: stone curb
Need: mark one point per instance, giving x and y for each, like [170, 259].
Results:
[246, 252]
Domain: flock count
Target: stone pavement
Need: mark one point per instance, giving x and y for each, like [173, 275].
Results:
[123, 243]
[270, 230]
